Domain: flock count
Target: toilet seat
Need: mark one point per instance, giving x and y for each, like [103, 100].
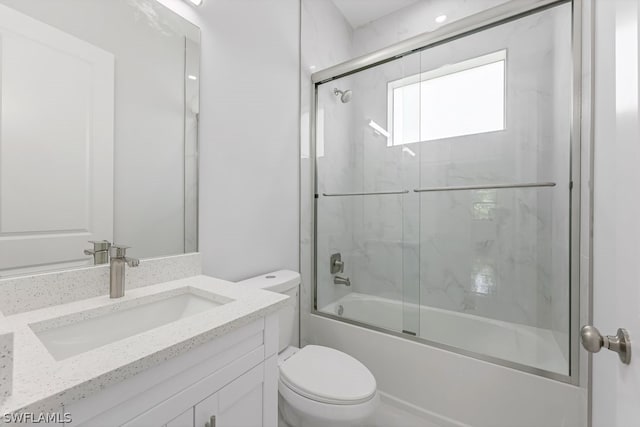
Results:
[327, 376]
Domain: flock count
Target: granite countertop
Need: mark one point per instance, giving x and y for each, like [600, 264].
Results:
[41, 384]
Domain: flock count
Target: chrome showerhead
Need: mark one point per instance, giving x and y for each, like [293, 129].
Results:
[345, 96]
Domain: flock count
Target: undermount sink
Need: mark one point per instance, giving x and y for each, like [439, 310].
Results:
[88, 330]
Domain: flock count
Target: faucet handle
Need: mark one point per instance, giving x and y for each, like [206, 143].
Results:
[119, 251]
[98, 245]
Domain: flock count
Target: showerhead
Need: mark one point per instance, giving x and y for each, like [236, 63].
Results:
[345, 96]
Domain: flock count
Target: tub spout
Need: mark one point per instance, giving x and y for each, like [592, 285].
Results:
[339, 280]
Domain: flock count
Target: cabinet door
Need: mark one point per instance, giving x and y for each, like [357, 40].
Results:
[238, 404]
[183, 420]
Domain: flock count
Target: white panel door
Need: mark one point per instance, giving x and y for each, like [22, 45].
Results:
[616, 240]
[56, 145]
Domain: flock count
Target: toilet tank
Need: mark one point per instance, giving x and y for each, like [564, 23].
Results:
[288, 283]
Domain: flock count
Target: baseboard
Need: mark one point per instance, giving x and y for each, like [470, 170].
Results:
[430, 416]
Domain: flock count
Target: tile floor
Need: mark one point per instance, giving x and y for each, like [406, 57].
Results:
[388, 415]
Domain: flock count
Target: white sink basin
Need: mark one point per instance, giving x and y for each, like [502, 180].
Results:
[85, 331]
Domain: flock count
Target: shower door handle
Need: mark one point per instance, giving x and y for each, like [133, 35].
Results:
[593, 341]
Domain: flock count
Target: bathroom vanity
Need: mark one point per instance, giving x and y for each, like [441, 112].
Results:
[182, 352]
[114, 156]
[229, 381]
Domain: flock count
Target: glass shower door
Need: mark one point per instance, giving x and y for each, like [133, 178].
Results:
[365, 211]
[495, 191]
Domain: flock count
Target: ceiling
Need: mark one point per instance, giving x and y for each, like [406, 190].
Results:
[360, 12]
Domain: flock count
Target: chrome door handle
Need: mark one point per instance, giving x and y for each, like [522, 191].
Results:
[593, 341]
[211, 422]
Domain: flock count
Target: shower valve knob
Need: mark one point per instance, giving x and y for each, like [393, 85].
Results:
[593, 341]
[336, 264]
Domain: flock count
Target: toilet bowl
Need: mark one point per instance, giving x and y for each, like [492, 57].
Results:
[318, 386]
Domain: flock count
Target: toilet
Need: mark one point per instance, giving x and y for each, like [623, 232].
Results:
[318, 386]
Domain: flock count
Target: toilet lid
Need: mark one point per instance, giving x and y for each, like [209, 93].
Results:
[327, 375]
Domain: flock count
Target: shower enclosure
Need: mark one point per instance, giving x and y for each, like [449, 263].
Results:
[446, 190]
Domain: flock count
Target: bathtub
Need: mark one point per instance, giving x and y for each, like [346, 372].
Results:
[521, 344]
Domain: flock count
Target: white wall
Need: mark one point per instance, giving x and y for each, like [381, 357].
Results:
[249, 127]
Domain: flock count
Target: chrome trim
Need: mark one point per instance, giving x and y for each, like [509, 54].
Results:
[314, 185]
[575, 194]
[463, 27]
[587, 17]
[467, 26]
[486, 187]
[300, 190]
[373, 193]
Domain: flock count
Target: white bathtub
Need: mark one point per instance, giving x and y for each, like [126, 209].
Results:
[513, 342]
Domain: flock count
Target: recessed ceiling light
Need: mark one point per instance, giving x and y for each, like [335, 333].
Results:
[195, 2]
[192, 77]
[440, 19]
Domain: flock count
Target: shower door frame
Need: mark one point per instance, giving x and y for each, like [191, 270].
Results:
[475, 23]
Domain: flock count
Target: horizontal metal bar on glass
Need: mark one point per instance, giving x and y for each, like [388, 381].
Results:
[486, 187]
[373, 193]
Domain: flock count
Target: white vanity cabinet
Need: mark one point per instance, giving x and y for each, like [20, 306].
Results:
[239, 404]
[231, 380]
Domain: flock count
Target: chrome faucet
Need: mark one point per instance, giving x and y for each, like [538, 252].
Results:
[118, 261]
[339, 280]
[100, 251]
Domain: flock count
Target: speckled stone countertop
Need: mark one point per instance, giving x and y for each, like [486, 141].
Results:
[6, 358]
[40, 383]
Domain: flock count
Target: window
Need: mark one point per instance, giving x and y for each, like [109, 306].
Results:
[465, 98]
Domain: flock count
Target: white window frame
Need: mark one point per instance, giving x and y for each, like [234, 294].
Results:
[449, 69]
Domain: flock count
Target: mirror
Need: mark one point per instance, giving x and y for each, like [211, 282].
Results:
[98, 131]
